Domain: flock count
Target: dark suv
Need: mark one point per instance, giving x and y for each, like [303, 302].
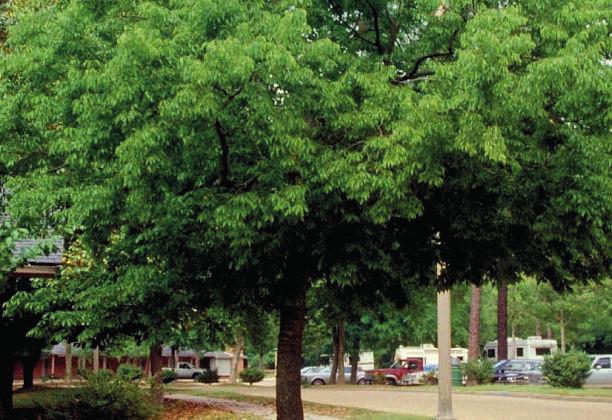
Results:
[518, 372]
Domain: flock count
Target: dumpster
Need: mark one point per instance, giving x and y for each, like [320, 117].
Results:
[457, 377]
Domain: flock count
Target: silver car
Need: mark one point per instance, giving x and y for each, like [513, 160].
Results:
[321, 376]
[601, 370]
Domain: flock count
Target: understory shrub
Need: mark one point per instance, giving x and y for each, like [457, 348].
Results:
[251, 375]
[168, 376]
[567, 369]
[478, 371]
[429, 378]
[207, 377]
[103, 397]
[127, 372]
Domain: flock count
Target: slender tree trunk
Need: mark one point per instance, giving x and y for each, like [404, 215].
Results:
[538, 328]
[334, 367]
[236, 358]
[172, 359]
[549, 333]
[261, 361]
[288, 386]
[96, 359]
[562, 330]
[341, 341]
[354, 359]
[7, 364]
[68, 361]
[502, 320]
[157, 362]
[474, 345]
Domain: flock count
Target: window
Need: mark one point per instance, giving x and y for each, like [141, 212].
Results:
[519, 352]
[491, 353]
[541, 351]
[184, 366]
[604, 363]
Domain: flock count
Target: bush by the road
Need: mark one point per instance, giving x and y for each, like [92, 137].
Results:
[251, 375]
[479, 371]
[207, 377]
[103, 397]
[127, 372]
[168, 376]
[568, 370]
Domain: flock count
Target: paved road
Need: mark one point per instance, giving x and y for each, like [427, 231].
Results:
[466, 406]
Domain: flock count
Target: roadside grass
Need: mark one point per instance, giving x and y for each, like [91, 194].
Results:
[39, 396]
[311, 408]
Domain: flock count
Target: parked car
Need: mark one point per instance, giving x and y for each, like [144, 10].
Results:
[186, 370]
[518, 372]
[403, 372]
[601, 370]
[321, 376]
[309, 369]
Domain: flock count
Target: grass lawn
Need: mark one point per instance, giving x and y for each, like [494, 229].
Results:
[311, 408]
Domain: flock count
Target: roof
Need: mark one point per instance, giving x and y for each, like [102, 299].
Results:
[167, 351]
[53, 258]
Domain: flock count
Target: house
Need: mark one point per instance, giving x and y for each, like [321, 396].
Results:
[534, 347]
[428, 353]
[181, 355]
[221, 361]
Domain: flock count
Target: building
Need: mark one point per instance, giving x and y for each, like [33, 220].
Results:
[428, 353]
[221, 361]
[534, 347]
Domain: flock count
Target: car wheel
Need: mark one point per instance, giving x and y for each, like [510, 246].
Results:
[390, 381]
[362, 381]
[318, 382]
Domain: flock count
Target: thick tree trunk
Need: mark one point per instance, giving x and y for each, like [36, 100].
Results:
[68, 360]
[28, 362]
[157, 362]
[236, 358]
[354, 359]
[562, 331]
[7, 364]
[474, 344]
[502, 320]
[288, 387]
[334, 367]
[341, 340]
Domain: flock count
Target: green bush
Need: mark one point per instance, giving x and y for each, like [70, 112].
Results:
[430, 378]
[478, 371]
[567, 369]
[251, 375]
[168, 376]
[207, 377]
[129, 373]
[103, 397]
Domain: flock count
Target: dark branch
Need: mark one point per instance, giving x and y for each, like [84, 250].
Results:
[224, 158]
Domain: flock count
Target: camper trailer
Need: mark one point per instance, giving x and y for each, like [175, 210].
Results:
[534, 347]
[428, 353]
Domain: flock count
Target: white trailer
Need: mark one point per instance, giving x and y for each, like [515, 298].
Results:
[428, 353]
[534, 347]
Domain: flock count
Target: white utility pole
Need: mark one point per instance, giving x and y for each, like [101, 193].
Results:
[445, 401]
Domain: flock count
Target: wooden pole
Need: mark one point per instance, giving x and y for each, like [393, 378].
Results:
[445, 402]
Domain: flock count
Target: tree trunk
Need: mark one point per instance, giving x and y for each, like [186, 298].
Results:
[96, 359]
[354, 359]
[7, 364]
[549, 333]
[502, 320]
[27, 363]
[334, 367]
[538, 328]
[288, 386]
[562, 330]
[68, 360]
[261, 361]
[157, 362]
[474, 345]
[172, 359]
[236, 358]
[341, 340]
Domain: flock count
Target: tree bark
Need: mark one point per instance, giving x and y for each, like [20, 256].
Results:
[68, 361]
[236, 358]
[502, 320]
[157, 362]
[7, 364]
[261, 361]
[334, 367]
[562, 330]
[549, 333]
[354, 359]
[474, 344]
[341, 341]
[288, 386]
[96, 360]
[28, 361]
[172, 359]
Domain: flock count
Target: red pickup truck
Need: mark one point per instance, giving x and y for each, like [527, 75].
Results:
[402, 372]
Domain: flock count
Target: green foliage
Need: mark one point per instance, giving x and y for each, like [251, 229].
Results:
[129, 373]
[479, 371]
[168, 376]
[207, 377]
[251, 375]
[103, 397]
[568, 370]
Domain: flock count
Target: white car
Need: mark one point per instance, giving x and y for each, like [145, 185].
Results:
[321, 376]
[186, 370]
[601, 370]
